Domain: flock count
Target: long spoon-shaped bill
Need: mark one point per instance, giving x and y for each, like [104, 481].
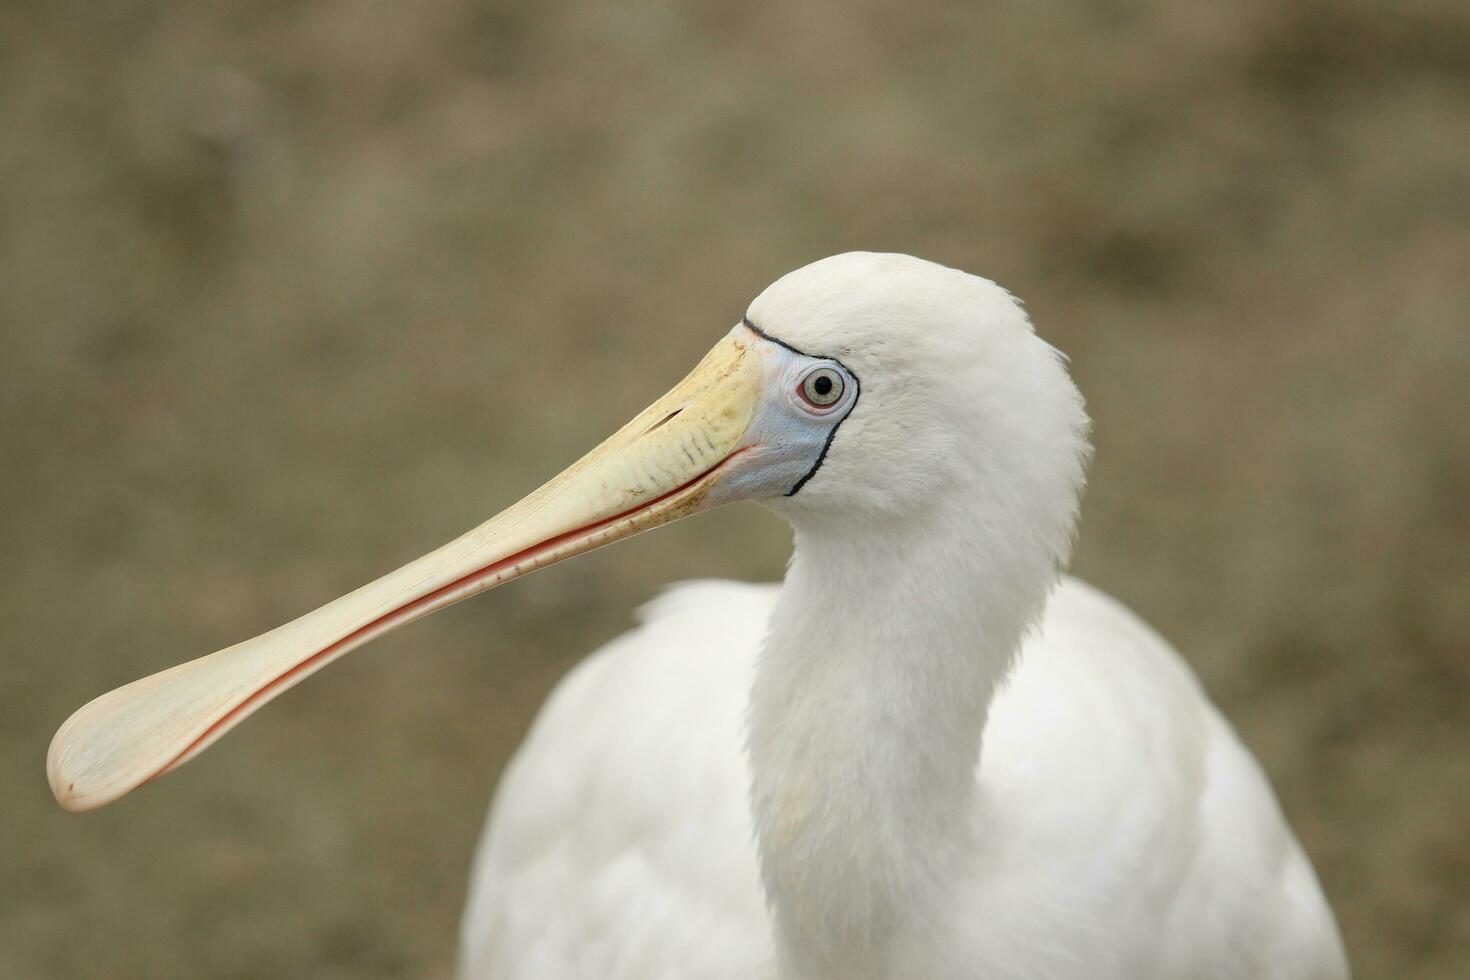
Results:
[661, 466]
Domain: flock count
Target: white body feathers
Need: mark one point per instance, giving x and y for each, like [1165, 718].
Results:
[1124, 832]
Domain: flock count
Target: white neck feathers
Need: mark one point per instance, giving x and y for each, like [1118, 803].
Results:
[865, 724]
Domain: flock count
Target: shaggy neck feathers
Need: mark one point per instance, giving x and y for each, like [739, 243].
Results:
[865, 725]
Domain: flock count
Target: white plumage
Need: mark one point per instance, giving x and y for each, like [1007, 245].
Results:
[620, 844]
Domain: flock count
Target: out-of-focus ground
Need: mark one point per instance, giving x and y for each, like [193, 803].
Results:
[290, 292]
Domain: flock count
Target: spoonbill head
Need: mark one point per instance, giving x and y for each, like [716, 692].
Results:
[957, 396]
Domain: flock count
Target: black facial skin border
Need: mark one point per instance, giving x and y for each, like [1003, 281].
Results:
[822, 456]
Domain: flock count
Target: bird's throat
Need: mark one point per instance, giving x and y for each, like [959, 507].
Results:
[865, 725]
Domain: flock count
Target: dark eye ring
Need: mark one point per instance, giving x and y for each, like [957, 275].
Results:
[822, 388]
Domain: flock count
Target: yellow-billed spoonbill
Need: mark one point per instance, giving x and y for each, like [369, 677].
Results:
[925, 755]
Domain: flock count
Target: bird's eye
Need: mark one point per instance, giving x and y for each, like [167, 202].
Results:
[822, 388]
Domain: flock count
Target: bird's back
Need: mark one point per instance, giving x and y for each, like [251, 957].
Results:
[1123, 831]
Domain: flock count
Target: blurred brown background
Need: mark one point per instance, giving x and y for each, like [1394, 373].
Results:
[290, 292]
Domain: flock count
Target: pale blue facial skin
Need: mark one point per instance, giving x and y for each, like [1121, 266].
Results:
[788, 438]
